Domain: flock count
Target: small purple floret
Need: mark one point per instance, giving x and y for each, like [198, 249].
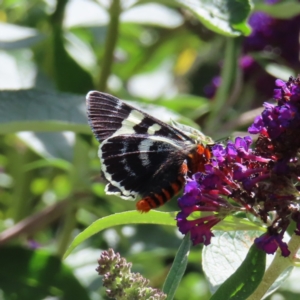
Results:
[270, 243]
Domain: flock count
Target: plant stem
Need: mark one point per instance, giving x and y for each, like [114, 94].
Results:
[227, 75]
[110, 44]
[278, 265]
[178, 268]
[58, 15]
[78, 176]
[35, 222]
[65, 234]
[22, 196]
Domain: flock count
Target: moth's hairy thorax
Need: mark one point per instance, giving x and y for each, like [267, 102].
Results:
[197, 158]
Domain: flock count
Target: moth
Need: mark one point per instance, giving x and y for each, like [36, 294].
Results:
[141, 155]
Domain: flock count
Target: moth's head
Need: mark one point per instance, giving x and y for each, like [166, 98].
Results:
[193, 133]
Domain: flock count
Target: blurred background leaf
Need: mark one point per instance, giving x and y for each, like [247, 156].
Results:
[35, 275]
[192, 61]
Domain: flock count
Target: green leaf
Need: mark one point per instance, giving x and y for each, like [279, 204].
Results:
[232, 223]
[178, 268]
[35, 110]
[167, 44]
[282, 10]
[51, 145]
[221, 16]
[17, 37]
[69, 75]
[182, 101]
[227, 17]
[279, 71]
[54, 163]
[129, 217]
[153, 15]
[246, 278]
[26, 274]
[187, 105]
[225, 254]
[162, 113]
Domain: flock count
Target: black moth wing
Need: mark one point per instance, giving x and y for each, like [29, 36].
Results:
[139, 154]
[109, 116]
[141, 164]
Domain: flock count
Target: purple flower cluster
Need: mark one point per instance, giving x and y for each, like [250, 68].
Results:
[274, 38]
[279, 124]
[261, 178]
[262, 30]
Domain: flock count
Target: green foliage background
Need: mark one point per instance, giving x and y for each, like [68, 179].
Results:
[162, 55]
